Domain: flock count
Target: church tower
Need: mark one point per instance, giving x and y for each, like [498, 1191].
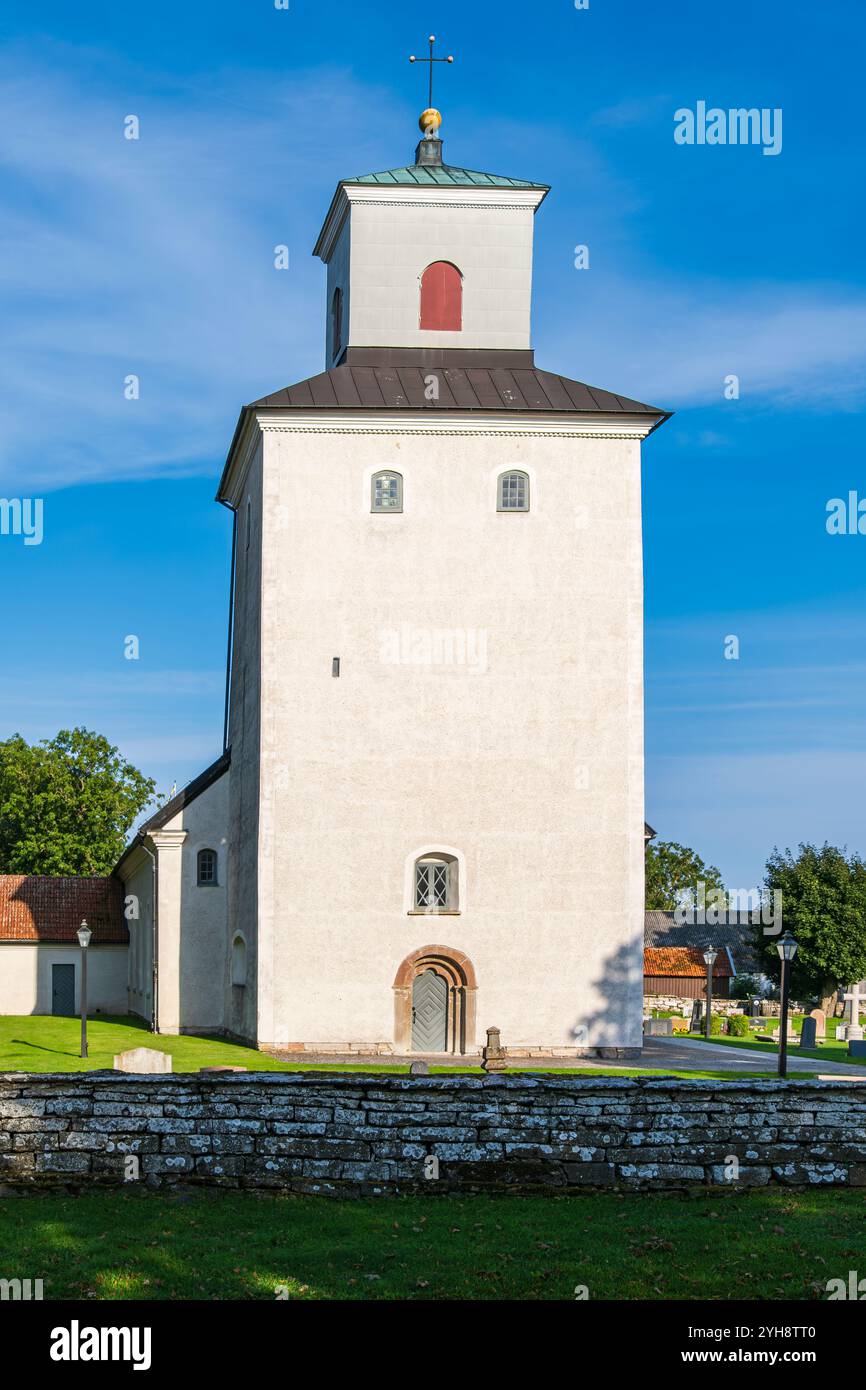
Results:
[436, 726]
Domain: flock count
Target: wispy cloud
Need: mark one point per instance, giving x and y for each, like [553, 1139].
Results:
[155, 257]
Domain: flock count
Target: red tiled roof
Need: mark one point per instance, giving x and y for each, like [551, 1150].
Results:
[36, 908]
[682, 960]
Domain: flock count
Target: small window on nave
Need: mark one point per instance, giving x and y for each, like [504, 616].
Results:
[207, 868]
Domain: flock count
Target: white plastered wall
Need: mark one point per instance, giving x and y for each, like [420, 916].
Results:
[527, 758]
[26, 983]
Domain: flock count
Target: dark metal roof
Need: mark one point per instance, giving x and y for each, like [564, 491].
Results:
[493, 387]
[661, 930]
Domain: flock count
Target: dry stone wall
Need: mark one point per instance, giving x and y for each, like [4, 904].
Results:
[367, 1134]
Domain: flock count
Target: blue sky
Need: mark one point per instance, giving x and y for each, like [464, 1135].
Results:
[155, 257]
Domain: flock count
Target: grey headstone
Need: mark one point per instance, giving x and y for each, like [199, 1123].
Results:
[857, 1047]
[809, 1034]
[143, 1060]
[697, 1016]
[419, 1069]
[659, 1027]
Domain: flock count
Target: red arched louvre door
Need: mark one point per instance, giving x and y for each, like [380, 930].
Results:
[442, 298]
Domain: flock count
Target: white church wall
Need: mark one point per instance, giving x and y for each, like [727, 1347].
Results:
[240, 1004]
[203, 963]
[392, 244]
[26, 980]
[138, 885]
[524, 752]
[338, 278]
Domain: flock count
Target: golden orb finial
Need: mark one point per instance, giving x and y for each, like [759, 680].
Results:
[430, 121]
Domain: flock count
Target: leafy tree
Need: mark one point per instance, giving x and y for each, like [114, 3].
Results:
[824, 908]
[66, 804]
[673, 871]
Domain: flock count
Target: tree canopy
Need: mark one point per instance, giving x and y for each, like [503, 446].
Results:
[673, 872]
[67, 804]
[824, 907]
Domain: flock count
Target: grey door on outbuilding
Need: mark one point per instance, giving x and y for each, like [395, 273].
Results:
[429, 1013]
[63, 990]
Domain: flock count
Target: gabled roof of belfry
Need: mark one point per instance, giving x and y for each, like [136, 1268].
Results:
[425, 175]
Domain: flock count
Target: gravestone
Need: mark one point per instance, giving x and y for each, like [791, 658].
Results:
[809, 1034]
[755, 1007]
[857, 1047]
[143, 1060]
[842, 1032]
[658, 1027]
[419, 1069]
[203, 1071]
[697, 1016]
[820, 1021]
[854, 999]
[493, 1055]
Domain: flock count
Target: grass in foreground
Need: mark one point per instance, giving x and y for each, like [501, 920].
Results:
[766, 1244]
[43, 1043]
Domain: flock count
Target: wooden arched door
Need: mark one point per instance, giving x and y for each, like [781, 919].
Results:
[429, 1012]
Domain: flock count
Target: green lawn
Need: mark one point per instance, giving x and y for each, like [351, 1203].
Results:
[43, 1043]
[829, 1051]
[768, 1244]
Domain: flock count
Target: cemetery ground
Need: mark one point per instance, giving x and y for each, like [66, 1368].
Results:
[829, 1050]
[767, 1244]
[44, 1043]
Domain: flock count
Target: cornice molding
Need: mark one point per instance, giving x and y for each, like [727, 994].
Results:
[543, 430]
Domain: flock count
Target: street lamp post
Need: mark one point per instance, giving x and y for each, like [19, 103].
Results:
[84, 934]
[787, 949]
[709, 957]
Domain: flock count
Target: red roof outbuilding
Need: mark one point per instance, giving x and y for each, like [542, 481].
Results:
[37, 908]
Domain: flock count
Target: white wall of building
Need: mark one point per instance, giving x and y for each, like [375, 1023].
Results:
[26, 983]
[527, 757]
[392, 235]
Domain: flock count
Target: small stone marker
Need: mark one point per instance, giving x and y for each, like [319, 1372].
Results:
[857, 1047]
[493, 1055]
[697, 1016]
[821, 1021]
[658, 1027]
[842, 1032]
[809, 1033]
[143, 1060]
[419, 1069]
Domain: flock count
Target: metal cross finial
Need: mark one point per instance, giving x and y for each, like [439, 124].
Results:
[431, 60]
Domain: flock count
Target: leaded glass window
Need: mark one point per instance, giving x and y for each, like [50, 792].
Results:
[431, 883]
[387, 492]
